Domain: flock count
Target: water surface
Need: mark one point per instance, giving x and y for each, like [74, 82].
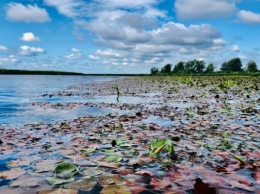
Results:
[17, 92]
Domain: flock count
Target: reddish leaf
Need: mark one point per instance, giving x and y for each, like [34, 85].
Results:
[222, 154]
[110, 179]
[142, 172]
[241, 185]
[19, 162]
[25, 181]
[252, 155]
[12, 174]
[160, 184]
[83, 185]
[115, 189]
[125, 171]
[174, 191]
[135, 188]
[6, 190]
[47, 162]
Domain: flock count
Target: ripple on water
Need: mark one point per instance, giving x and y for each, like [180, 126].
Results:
[3, 167]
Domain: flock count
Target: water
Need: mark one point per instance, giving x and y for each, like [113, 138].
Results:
[17, 92]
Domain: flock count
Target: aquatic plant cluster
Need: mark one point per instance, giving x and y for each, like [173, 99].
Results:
[163, 135]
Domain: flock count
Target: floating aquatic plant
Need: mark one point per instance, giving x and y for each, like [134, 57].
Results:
[161, 144]
[117, 92]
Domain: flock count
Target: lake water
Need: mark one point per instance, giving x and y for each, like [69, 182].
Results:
[18, 91]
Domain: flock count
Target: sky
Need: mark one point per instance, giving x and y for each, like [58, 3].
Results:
[126, 36]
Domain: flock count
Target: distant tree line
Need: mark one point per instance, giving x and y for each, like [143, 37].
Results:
[35, 72]
[199, 66]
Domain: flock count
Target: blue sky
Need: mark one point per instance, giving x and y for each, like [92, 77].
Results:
[119, 36]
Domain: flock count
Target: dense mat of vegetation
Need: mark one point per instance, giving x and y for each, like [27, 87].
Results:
[164, 135]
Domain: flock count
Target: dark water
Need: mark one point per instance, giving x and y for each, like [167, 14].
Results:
[18, 91]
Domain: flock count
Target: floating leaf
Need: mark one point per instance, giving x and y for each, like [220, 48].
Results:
[44, 168]
[88, 151]
[115, 189]
[65, 170]
[135, 188]
[92, 171]
[120, 141]
[110, 179]
[47, 162]
[57, 181]
[12, 174]
[156, 144]
[241, 185]
[113, 158]
[109, 164]
[124, 171]
[85, 163]
[83, 185]
[8, 190]
[160, 184]
[58, 191]
[19, 162]
[25, 181]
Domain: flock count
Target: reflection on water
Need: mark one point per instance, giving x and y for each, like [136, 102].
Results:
[17, 91]
[3, 166]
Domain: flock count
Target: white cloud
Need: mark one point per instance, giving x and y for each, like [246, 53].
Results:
[103, 9]
[10, 59]
[235, 48]
[144, 47]
[196, 35]
[204, 9]
[17, 12]
[29, 37]
[137, 31]
[66, 7]
[74, 50]
[30, 51]
[219, 41]
[94, 57]
[137, 21]
[154, 60]
[127, 4]
[3, 48]
[73, 56]
[248, 17]
[108, 53]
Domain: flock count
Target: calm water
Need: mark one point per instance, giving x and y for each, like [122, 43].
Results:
[18, 91]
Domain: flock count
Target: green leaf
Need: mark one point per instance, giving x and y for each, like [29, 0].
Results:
[120, 141]
[57, 181]
[113, 158]
[152, 154]
[169, 145]
[65, 170]
[157, 143]
[88, 151]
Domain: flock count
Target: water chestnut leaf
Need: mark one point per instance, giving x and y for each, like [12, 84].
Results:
[66, 170]
[113, 158]
[57, 181]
